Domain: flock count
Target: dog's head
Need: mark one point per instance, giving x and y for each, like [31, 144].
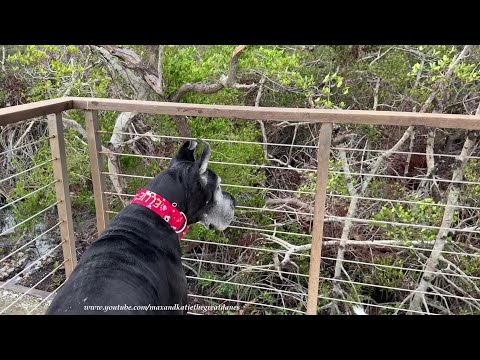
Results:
[207, 203]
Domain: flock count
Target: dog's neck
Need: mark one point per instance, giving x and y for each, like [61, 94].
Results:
[173, 191]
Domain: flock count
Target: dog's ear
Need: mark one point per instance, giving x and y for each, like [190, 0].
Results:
[185, 153]
[202, 163]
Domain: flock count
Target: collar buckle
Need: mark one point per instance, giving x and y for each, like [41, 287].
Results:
[184, 224]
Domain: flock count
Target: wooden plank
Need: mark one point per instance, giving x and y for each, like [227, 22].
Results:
[23, 289]
[14, 114]
[285, 114]
[323, 156]
[23, 112]
[98, 179]
[60, 172]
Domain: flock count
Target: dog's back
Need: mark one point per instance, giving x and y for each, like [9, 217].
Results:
[132, 267]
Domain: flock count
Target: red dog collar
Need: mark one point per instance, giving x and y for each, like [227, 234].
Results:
[168, 212]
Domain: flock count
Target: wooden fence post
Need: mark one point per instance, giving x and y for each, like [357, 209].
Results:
[323, 156]
[62, 188]
[98, 179]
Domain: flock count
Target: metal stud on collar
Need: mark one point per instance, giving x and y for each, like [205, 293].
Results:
[184, 224]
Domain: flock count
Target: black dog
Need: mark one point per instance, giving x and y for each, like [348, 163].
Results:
[136, 262]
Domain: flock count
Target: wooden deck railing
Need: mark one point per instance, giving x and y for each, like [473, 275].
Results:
[54, 108]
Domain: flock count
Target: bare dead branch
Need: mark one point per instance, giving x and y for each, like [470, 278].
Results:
[375, 94]
[429, 152]
[112, 160]
[290, 201]
[451, 139]
[289, 157]
[159, 84]
[233, 68]
[384, 156]
[262, 124]
[409, 156]
[346, 170]
[465, 278]
[196, 87]
[3, 58]
[440, 85]
[130, 59]
[25, 133]
[75, 76]
[260, 91]
[340, 139]
[452, 201]
[352, 209]
[72, 124]
[419, 74]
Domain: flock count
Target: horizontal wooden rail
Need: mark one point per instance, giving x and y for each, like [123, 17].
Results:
[42, 108]
[17, 113]
[470, 122]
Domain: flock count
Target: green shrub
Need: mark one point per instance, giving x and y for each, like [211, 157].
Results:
[79, 176]
[419, 214]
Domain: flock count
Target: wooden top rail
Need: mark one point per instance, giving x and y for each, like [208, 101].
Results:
[18, 113]
[470, 122]
[42, 108]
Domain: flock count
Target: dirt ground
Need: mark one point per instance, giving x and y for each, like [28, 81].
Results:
[24, 306]
[85, 233]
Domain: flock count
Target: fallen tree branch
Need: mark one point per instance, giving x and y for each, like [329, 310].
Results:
[290, 201]
[197, 88]
[229, 81]
[296, 249]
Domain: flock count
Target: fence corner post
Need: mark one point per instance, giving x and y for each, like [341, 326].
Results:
[98, 179]
[62, 189]
[324, 142]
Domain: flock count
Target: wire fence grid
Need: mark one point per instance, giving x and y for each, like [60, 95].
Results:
[378, 240]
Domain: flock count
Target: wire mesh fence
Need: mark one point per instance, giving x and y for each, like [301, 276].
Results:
[400, 230]
[377, 242]
[30, 243]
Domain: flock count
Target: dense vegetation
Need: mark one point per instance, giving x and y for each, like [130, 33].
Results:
[362, 77]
